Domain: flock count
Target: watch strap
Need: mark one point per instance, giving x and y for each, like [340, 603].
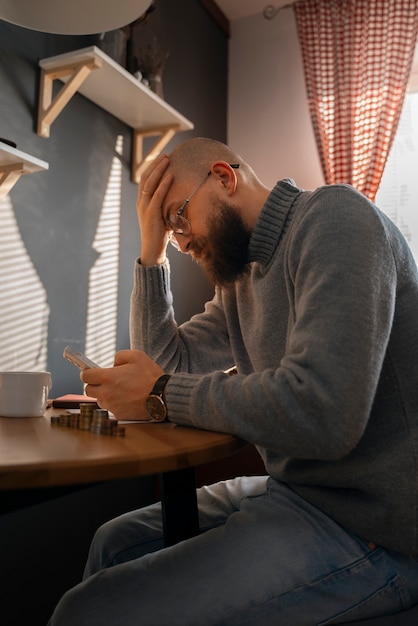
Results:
[159, 385]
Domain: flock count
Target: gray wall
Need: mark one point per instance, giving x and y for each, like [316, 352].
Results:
[57, 211]
[43, 548]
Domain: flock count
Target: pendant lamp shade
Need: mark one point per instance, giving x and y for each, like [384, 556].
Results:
[72, 17]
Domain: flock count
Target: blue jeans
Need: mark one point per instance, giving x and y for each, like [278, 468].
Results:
[265, 556]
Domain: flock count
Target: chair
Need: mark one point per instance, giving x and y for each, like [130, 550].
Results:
[405, 618]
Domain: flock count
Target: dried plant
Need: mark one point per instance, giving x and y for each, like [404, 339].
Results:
[152, 58]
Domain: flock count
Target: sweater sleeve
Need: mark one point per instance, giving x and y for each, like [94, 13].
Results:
[198, 346]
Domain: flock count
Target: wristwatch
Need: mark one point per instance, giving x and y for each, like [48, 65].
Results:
[155, 405]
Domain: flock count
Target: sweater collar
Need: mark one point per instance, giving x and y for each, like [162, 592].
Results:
[273, 221]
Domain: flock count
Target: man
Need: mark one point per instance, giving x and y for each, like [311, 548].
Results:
[316, 305]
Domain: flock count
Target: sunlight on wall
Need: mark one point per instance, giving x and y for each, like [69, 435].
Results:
[24, 311]
[102, 309]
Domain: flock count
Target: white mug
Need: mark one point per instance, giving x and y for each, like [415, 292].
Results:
[24, 394]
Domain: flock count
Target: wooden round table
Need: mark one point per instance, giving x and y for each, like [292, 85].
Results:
[35, 454]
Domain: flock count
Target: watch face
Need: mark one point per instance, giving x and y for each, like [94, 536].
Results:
[156, 408]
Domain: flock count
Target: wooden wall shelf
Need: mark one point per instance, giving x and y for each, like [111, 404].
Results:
[13, 164]
[99, 78]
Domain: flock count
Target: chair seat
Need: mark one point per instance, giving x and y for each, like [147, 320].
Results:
[405, 618]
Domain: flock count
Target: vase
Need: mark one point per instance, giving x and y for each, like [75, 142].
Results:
[155, 83]
[113, 43]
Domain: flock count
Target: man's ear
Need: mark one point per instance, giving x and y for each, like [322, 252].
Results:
[225, 174]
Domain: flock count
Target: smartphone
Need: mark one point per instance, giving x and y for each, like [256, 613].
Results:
[78, 358]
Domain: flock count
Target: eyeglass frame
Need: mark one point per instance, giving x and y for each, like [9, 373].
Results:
[178, 215]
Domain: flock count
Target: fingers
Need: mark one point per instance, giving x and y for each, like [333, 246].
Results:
[152, 190]
[104, 375]
[162, 189]
[151, 178]
[93, 378]
[126, 356]
[92, 375]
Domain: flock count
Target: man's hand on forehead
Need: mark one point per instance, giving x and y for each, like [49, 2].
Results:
[152, 190]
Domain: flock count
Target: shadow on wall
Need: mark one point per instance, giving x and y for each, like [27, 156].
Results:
[61, 270]
[24, 311]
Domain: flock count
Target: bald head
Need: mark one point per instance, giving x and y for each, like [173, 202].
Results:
[193, 159]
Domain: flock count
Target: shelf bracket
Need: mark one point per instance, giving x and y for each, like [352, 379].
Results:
[9, 175]
[139, 162]
[50, 107]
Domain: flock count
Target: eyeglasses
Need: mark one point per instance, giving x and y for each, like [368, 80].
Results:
[180, 225]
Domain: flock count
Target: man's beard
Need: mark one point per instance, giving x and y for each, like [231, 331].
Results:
[223, 253]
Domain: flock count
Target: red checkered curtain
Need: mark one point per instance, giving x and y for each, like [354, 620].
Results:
[357, 57]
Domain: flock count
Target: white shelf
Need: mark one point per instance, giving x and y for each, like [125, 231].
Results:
[13, 164]
[99, 78]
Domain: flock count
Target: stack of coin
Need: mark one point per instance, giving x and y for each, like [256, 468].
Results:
[104, 425]
[110, 427]
[100, 422]
[90, 418]
[64, 419]
[86, 415]
[73, 420]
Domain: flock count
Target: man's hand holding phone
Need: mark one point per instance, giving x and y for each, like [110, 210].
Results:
[124, 388]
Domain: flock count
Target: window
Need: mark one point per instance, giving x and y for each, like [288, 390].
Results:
[398, 191]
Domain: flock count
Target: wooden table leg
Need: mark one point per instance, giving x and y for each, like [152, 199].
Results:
[179, 505]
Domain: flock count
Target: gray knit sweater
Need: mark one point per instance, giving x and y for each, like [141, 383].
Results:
[324, 334]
